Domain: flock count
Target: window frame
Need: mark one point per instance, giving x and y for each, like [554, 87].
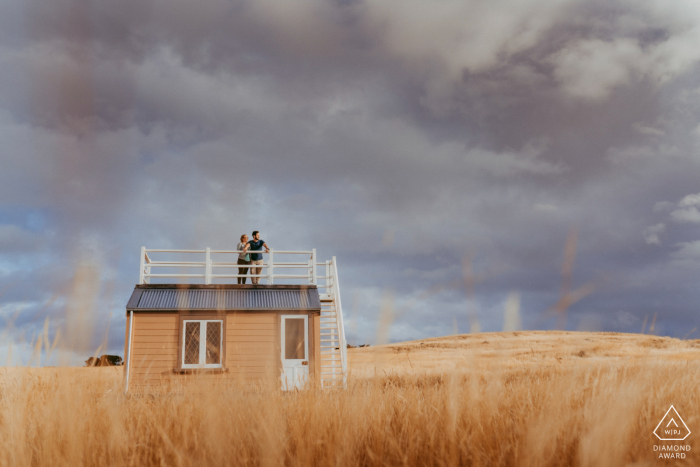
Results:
[202, 342]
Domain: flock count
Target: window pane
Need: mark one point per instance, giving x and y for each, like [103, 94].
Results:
[294, 339]
[191, 343]
[213, 342]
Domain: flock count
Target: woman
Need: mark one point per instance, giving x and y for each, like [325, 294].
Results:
[243, 258]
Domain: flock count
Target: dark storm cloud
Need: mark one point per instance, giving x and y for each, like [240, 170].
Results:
[401, 136]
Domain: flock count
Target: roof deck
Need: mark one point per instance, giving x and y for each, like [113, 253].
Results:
[209, 266]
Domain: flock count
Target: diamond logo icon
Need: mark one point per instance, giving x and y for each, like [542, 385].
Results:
[672, 427]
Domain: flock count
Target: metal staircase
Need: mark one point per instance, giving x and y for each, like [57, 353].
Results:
[334, 363]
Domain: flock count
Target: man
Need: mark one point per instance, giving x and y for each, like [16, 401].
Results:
[256, 258]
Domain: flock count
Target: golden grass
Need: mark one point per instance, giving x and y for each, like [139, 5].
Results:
[502, 399]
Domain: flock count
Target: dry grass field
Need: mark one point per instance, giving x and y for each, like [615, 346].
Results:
[492, 399]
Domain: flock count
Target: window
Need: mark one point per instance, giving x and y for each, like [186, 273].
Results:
[202, 343]
[294, 339]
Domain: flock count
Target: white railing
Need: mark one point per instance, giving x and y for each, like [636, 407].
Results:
[207, 269]
[201, 266]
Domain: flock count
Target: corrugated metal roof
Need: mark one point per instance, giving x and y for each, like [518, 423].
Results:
[224, 299]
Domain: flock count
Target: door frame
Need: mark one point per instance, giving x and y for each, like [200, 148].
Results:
[295, 362]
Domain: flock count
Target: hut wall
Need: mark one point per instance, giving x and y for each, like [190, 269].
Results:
[252, 345]
[252, 348]
[154, 346]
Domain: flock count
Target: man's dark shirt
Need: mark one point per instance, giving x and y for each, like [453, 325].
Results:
[254, 246]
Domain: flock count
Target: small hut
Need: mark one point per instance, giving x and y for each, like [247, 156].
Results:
[250, 333]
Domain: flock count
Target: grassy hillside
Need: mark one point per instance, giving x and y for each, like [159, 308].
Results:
[518, 350]
[529, 398]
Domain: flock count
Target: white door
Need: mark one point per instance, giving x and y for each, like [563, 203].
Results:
[295, 351]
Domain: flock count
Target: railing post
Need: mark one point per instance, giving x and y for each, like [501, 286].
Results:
[310, 271]
[313, 267]
[146, 277]
[269, 268]
[207, 267]
[143, 264]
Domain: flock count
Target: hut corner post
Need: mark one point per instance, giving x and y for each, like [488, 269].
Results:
[128, 360]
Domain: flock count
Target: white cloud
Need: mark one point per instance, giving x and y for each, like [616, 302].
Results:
[463, 34]
[629, 154]
[590, 69]
[651, 234]
[439, 41]
[687, 212]
[508, 163]
[687, 251]
[677, 54]
[689, 215]
[10, 309]
[647, 130]
[690, 200]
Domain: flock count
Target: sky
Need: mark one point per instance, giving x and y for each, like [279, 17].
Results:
[446, 152]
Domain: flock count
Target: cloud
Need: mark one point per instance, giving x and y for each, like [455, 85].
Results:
[689, 215]
[463, 128]
[439, 44]
[590, 69]
[687, 251]
[651, 234]
[647, 130]
[687, 212]
[690, 200]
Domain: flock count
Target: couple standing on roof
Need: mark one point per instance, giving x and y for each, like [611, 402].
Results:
[256, 244]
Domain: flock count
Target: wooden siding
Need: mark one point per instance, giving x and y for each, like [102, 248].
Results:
[252, 343]
[252, 349]
[154, 348]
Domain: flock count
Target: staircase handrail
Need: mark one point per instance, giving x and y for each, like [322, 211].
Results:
[341, 324]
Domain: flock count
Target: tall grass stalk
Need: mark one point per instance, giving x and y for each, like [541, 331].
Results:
[577, 415]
